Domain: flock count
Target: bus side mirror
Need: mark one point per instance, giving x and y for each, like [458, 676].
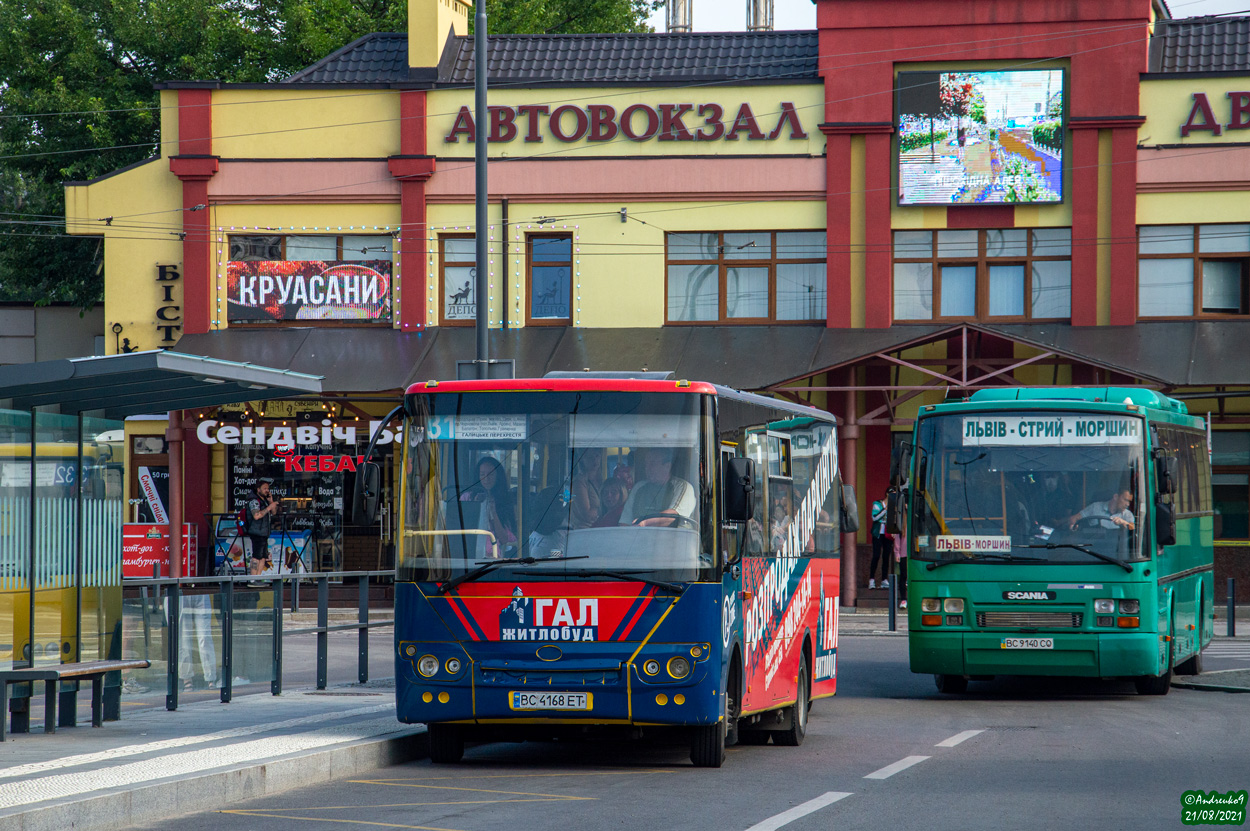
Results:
[850, 510]
[900, 464]
[365, 496]
[1165, 474]
[738, 489]
[895, 511]
[1165, 524]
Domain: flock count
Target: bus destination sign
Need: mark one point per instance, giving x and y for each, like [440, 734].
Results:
[1055, 430]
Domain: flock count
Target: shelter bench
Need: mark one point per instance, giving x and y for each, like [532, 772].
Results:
[51, 676]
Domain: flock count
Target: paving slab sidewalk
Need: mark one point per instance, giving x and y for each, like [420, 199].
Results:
[154, 764]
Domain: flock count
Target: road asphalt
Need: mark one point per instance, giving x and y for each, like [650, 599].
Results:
[154, 764]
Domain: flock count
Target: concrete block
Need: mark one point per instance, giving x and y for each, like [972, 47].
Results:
[151, 802]
[193, 794]
[17, 322]
[300, 772]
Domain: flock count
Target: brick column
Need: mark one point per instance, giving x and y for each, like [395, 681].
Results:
[413, 168]
[195, 165]
[839, 215]
[1124, 221]
[1084, 226]
[837, 226]
[1122, 213]
[414, 243]
[878, 197]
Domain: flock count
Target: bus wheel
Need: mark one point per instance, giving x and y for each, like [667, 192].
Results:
[1157, 684]
[952, 684]
[707, 744]
[798, 718]
[446, 744]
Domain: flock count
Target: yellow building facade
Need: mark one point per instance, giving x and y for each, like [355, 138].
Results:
[757, 209]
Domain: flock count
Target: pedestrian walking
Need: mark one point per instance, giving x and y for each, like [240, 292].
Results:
[882, 545]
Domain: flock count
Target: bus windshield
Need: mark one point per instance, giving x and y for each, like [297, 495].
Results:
[1053, 487]
[588, 482]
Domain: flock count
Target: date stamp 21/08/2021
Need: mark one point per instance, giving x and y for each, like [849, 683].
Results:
[1213, 808]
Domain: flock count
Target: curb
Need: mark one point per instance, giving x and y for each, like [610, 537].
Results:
[1189, 685]
[1199, 685]
[217, 789]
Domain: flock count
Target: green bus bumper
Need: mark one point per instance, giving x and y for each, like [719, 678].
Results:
[1096, 655]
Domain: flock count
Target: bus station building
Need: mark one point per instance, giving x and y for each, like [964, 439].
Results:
[918, 199]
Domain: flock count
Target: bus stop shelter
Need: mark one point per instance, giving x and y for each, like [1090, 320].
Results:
[61, 495]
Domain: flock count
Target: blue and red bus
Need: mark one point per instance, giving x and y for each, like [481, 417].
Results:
[633, 554]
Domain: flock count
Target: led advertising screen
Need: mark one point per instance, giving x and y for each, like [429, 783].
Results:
[981, 137]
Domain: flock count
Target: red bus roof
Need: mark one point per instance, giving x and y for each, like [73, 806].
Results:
[564, 385]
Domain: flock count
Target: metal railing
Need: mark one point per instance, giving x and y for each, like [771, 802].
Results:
[162, 598]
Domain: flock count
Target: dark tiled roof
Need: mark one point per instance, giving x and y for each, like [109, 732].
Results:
[573, 59]
[1201, 44]
[729, 56]
[381, 57]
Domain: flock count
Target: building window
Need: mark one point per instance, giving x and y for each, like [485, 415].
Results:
[1193, 270]
[549, 260]
[457, 271]
[746, 277]
[310, 277]
[1230, 483]
[1008, 274]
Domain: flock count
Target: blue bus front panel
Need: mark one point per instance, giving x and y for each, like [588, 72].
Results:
[590, 653]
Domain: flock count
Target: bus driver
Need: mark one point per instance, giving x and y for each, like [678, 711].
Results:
[1114, 511]
[659, 492]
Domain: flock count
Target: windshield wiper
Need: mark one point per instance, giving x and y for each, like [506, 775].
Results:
[675, 588]
[1087, 550]
[491, 565]
[1002, 558]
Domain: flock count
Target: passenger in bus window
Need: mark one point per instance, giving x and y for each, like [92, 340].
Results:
[659, 492]
[780, 513]
[624, 470]
[1057, 500]
[498, 512]
[586, 506]
[1112, 513]
[612, 497]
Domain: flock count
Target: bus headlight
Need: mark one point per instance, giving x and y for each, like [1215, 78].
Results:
[453, 665]
[930, 604]
[953, 605]
[1130, 607]
[428, 666]
[1104, 607]
[678, 667]
[651, 666]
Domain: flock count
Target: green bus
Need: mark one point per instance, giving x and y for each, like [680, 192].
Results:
[1057, 531]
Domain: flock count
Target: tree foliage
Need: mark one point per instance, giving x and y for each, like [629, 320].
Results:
[77, 98]
[537, 17]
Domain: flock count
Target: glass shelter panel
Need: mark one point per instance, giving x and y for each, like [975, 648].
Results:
[15, 504]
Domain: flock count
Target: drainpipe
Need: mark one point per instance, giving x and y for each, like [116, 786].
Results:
[504, 268]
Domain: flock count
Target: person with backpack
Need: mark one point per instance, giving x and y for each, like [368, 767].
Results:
[882, 546]
[259, 512]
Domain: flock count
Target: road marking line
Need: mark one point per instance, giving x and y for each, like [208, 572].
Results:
[809, 807]
[958, 738]
[902, 764]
